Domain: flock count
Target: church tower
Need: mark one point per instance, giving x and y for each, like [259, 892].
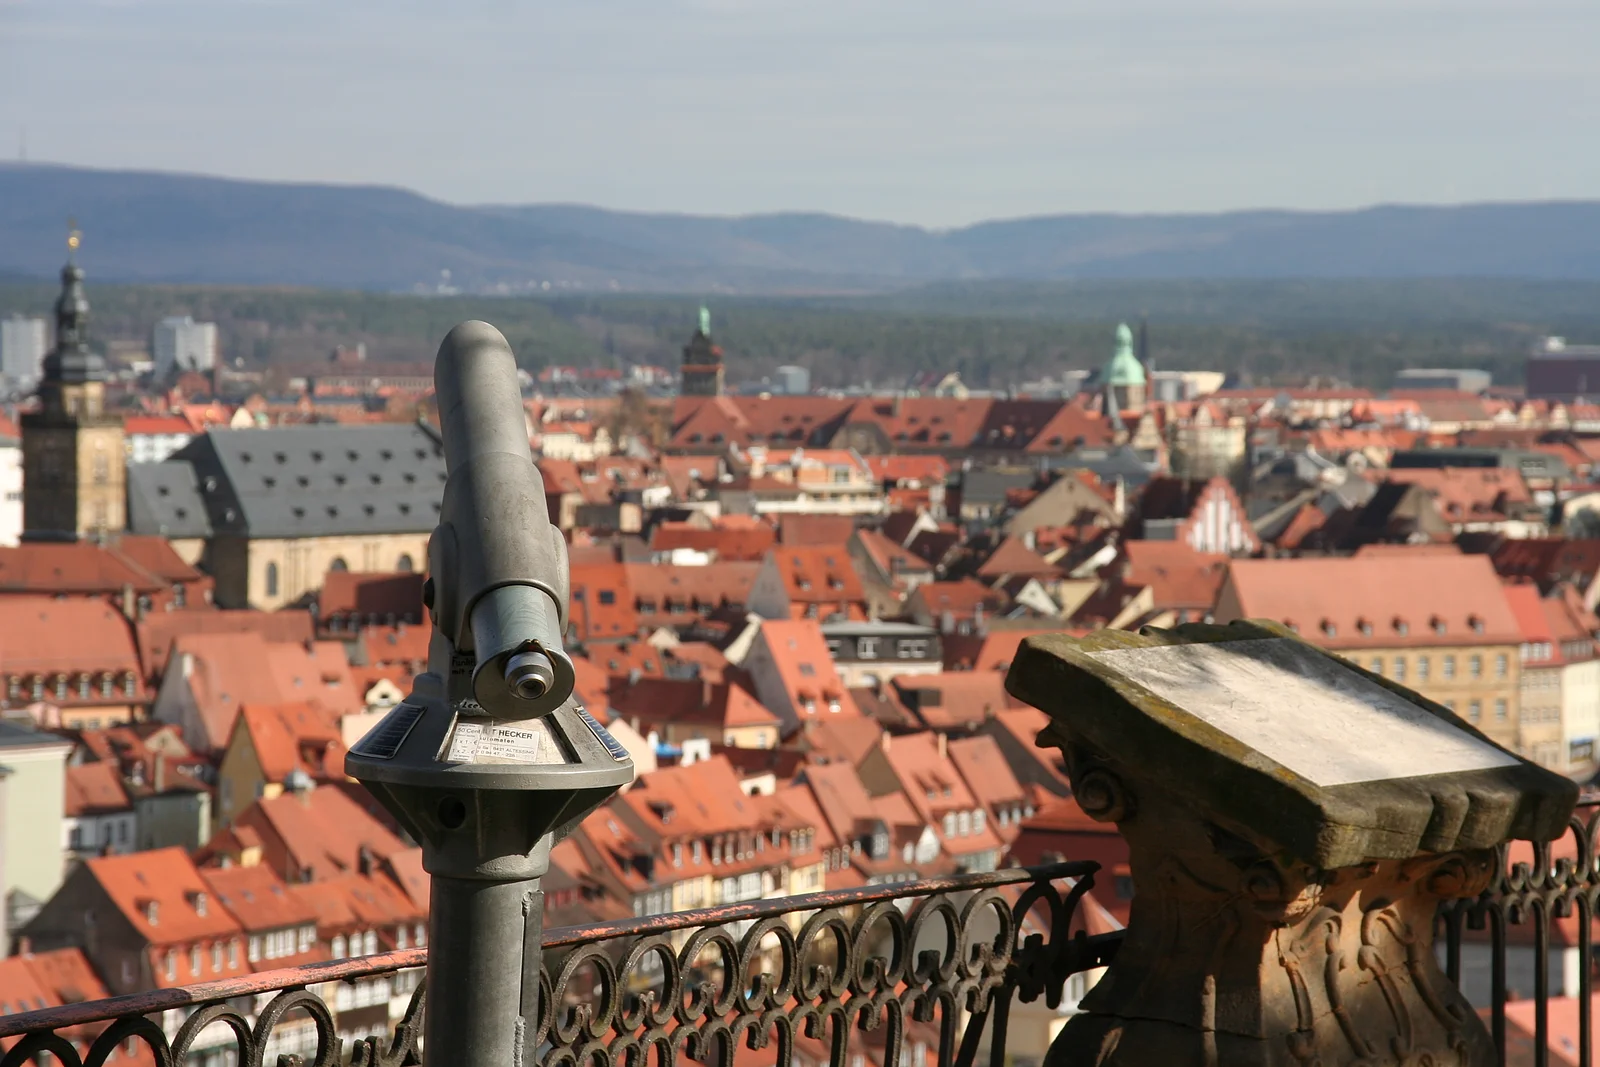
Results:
[73, 465]
[1124, 376]
[702, 373]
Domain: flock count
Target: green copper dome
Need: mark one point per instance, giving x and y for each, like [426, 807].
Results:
[1124, 368]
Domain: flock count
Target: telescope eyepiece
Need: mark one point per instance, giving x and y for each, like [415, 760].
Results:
[530, 675]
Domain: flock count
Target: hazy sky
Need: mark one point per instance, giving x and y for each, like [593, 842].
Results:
[937, 112]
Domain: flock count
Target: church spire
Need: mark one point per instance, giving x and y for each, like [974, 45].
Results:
[71, 361]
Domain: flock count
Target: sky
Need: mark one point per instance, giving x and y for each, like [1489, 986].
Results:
[932, 112]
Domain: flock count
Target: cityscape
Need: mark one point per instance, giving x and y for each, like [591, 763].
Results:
[780, 535]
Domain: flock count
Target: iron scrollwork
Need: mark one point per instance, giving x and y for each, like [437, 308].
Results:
[819, 968]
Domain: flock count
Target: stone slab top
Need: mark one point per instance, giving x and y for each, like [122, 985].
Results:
[1334, 764]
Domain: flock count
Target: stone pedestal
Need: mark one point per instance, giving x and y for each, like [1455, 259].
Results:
[1293, 822]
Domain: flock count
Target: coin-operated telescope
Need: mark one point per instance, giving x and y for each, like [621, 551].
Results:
[491, 759]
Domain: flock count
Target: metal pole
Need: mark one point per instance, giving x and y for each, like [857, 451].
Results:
[485, 934]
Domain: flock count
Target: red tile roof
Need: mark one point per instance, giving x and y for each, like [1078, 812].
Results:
[670, 701]
[231, 669]
[163, 897]
[359, 902]
[934, 787]
[985, 770]
[601, 607]
[729, 543]
[1011, 558]
[677, 596]
[953, 700]
[365, 596]
[1177, 575]
[74, 568]
[816, 531]
[95, 789]
[49, 637]
[1376, 601]
[322, 831]
[157, 631]
[259, 899]
[291, 737]
[806, 670]
[817, 575]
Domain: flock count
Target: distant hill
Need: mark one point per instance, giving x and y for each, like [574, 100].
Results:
[171, 228]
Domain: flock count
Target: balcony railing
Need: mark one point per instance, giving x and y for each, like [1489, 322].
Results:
[836, 970]
[846, 972]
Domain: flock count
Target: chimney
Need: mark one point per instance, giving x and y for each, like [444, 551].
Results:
[944, 744]
[883, 743]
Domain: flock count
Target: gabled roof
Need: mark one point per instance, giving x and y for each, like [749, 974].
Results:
[601, 607]
[817, 575]
[163, 885]
[357, 901]
[805, 669]
[157, 631]
[45, 636]
[985, 770]
[316, 481]
[933, 786]
[258, 898]
[954, 700]
[671, 701]
[164, 500]
[1382, 600]
[1177, 575]
[95, 789]
[78, 567]
[230, 669]
[35, 981]
[1012, 558]
[291, 737]
[322, 830]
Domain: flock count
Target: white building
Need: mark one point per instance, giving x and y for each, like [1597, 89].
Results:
[180, 344]
[23, 343]
[794, 381]
[10, 486]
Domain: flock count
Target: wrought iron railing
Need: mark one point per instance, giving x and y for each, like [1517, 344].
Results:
[1498, 948]
[827, 969]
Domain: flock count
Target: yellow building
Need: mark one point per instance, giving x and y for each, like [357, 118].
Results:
[1430, 619]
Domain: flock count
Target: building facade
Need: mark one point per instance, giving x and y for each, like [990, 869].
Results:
[23, 343]
[180, 344]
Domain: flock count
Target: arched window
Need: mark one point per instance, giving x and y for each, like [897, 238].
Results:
[339, 565]
[404, 564]
[272, 579]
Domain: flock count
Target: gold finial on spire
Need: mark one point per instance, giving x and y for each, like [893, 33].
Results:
[74, 235]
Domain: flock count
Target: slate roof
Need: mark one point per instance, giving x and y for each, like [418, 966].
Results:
[164, 500]
[317, 481]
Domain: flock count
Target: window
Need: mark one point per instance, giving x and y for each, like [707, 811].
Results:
[677, 855]
[696, 852]
[608, 597]
[917, 649]
[172, 966]
[338, 565]
[1500, 710]
[255, 947]
[216, 957]
[867, 648]
[272, 579]
[1377, 666]
[977, 820]
[1475, 710]
[1449, 666]
[950, 824]
[404, 564]
[1399, 669]
[1501, 664]
[1475, 666]
[964, 823]
[338, 947]
[194, 961]
[372, 943]
[1422, 668]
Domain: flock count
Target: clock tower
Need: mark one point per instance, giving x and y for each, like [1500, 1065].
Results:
[73, 465]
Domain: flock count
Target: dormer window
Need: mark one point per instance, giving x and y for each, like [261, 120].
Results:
[1476, 622]
[1438, 624]
[1401, 627]
[199, 902]
[1365, 626]
[698, 853]
[1330, 628]
[152, 912]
